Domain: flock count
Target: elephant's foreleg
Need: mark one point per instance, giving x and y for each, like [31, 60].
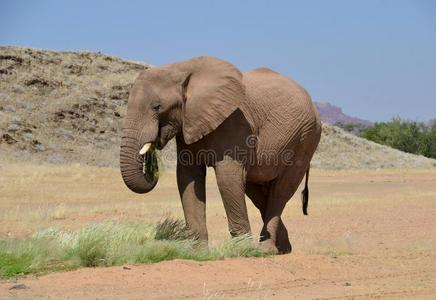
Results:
[191, 184]
[230, 176]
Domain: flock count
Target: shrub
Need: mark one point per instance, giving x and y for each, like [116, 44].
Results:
[407, 136]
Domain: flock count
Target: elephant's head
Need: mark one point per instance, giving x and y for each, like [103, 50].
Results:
[190, 98]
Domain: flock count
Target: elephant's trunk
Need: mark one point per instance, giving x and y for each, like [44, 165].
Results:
[135, 168]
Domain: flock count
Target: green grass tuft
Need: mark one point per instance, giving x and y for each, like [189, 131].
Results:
[12, 264]
[92, 250]
[171, 229]
[112, 244]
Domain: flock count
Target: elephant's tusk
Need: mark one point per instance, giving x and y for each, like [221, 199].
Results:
[144, 149]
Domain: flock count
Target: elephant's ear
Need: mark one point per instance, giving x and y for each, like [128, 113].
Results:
[213, 91]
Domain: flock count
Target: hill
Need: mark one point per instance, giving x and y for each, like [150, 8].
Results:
[339, 149]
[67, 107]
[332, 114]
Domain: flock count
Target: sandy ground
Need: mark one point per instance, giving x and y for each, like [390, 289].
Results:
[369, 234]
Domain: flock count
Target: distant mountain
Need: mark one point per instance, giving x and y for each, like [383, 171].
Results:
[334, 115]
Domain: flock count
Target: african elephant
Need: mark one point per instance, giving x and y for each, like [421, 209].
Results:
[258, 129]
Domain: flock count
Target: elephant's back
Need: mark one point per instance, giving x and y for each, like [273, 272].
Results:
[284, 116]
[276, 99]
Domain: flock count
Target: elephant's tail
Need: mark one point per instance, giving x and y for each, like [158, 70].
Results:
[305, 193]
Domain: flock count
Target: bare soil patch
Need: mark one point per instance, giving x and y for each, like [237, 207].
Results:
[369, 234]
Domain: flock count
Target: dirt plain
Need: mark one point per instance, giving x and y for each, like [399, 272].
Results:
[369, 234]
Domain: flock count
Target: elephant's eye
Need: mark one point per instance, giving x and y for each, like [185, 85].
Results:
[156, 107]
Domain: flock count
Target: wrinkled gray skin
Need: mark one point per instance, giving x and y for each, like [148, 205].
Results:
[260, 127]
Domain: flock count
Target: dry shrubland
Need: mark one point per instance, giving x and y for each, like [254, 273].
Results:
[60, 120]
[62, 107]
[67, 107]
[339, 149]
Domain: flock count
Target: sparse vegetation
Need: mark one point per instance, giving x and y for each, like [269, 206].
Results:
[64, 107]
[407, 136]
[339, 149]
[67, 107]
[333, 247]
[110, 244]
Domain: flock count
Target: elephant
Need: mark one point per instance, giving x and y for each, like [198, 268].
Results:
[258, 130]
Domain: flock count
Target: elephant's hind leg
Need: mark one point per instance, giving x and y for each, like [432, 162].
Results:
[259, 196]
[281, 191]
[274, 233]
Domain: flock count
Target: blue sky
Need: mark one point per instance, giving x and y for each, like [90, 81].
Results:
[375, 59]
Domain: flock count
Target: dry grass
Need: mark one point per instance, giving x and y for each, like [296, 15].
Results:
[67, 198]
[111, 244]
[65, 217]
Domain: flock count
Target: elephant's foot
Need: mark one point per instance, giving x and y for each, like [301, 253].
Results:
[282, 243]
[275, 247]
[201, 245]
[196, 231]
[283, 246]
[268, 246]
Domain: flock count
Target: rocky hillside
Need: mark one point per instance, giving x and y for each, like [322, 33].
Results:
[67, 107]
[62, 107]
[339, 149]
